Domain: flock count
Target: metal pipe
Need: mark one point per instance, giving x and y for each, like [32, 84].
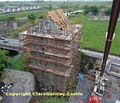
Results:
[111, 29]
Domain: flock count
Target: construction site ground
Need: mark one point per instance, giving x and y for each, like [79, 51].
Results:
[83, 88]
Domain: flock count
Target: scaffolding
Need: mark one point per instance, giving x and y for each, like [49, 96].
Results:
[53, 52]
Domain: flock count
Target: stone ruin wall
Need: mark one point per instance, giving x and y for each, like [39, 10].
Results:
[55, 82]
[51, 81]
[100, 18]
[9, 25]
[66, 82]
[54, 52]
[64, 59]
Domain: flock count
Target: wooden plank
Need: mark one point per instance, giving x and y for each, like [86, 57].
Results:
[60, 19]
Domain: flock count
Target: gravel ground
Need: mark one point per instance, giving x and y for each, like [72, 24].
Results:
[83, 88]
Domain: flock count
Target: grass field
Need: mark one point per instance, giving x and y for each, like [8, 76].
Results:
[94, 33]
[38, 14]
[54, 100]
[72, 6]
[18, 63]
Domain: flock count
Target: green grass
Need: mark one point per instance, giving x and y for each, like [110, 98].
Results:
[18, 64]
[71, 6]
[54, 100]
[38, 14]
[94, 33]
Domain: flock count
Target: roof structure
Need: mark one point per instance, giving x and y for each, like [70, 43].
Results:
[60, 19]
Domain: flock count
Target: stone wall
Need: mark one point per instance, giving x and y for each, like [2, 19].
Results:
[9, 25]
[89, 64]
[21, 80]
[51, 81]
[100, 18]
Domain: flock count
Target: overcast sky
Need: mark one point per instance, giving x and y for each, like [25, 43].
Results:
[55, 0]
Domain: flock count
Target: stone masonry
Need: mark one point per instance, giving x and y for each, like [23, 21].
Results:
[53, 51]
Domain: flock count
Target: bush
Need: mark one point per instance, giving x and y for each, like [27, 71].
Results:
[83, 56]
[11, 18]
[92, 9]
[18, 62]
[108, 12]
[31, 17]
[3, 60]
[41, 17]
[50, 6]
[86, 6]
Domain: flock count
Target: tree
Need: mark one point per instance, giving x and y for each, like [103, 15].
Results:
[11, 18]
[92, 9]
[41, 17]
[85, 7]
[108, 11]
[50, 6]
[3, 60]
[87, 10]
[31, 17]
